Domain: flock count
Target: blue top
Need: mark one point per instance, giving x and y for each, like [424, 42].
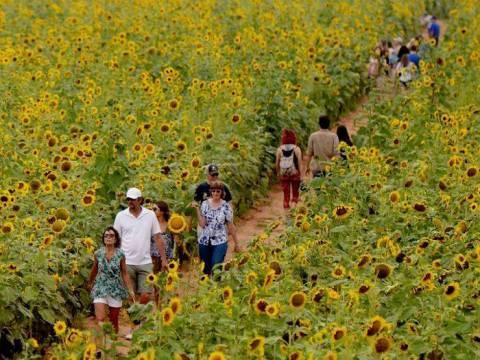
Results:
[415, 58]
[109, 281]
[434, 30]
[215, 231]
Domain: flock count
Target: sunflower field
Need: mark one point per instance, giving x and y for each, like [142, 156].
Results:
[382, 259]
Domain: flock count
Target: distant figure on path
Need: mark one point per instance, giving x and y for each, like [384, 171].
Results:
[288, 164]
[322, 147]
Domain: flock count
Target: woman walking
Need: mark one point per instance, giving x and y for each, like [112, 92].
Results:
[344, 137]
[215, 217]
[288, 164]
[109, 278]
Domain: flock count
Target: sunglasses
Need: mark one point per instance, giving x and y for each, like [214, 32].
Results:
[130, 199]
[109, 235]
[214, 175]
[216, 190]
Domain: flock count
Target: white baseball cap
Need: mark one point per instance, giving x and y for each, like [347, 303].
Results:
[134, 193]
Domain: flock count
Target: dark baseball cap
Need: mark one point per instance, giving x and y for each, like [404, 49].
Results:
[212, 169]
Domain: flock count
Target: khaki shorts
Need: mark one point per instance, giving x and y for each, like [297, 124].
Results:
[138, 276]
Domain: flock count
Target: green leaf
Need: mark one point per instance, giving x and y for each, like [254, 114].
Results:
[47, 315]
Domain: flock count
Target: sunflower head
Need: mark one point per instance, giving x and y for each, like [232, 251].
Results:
[298, 300]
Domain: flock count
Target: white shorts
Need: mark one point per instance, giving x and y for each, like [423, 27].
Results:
[110, 301]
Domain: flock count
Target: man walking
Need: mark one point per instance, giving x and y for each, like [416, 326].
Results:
[202, 192]
[322, 147]
[136, 226]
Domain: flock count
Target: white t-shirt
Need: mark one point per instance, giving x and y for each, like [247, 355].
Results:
[136, 233]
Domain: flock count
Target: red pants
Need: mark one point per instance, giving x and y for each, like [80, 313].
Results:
[294, 183]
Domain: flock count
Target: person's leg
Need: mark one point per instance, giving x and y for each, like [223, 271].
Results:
[144, 289]
[132, 274]
[113, 313]
[205, 253]
[295, 189]
[157, 265]
[218, 254]
[286, 192]
[100, 312]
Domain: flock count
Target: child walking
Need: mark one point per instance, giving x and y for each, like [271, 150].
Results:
[109, 278]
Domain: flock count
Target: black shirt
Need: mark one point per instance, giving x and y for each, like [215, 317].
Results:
[202, 193]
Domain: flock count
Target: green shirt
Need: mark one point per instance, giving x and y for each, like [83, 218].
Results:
[109, 281]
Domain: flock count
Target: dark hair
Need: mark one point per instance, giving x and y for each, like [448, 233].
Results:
[218, 185]
[324, 121]
[342, 134]
[403, 51]
[163, 206]
[413, 48]
[118, 241]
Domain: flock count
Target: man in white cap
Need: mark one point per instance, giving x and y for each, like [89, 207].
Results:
[136, 226]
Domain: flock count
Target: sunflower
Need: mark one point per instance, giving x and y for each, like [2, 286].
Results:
[297, 300]
[90, 351]
[364, 261]
[331, 355]
[452, 290]
[256, 345]
[342, 211]
[60, 327]
[234, 145]
[338, 272]
[173, 104]
[73, 338]
[272, 310]
[250, 277]
[175, 304]
[261, 306]
[375, 326]
[420, 207]
[204, 279]
[317, 295]
[394, 196]
[181, 356]
[236, 119]
[332, 294]
[181, 146]
[338, 333]
[320, 218]
[172, 266]
[177, 223]
[33, 343]
[216, 355]
[151, 279]
[58, 226]
[227, 293]
[195, 162]
[7, 228]
[296, 355]
[382, 271]
[88, 200]
[167, 315]
[170, 283]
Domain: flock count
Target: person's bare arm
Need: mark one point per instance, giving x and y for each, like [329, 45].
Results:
[232, 230]
[201, 219]
[126, 278]
[93, 274]
[299, 158]
[277, 162]
[161, 247]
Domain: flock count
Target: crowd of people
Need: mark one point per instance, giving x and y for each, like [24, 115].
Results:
[401, 60]
[139, 243]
